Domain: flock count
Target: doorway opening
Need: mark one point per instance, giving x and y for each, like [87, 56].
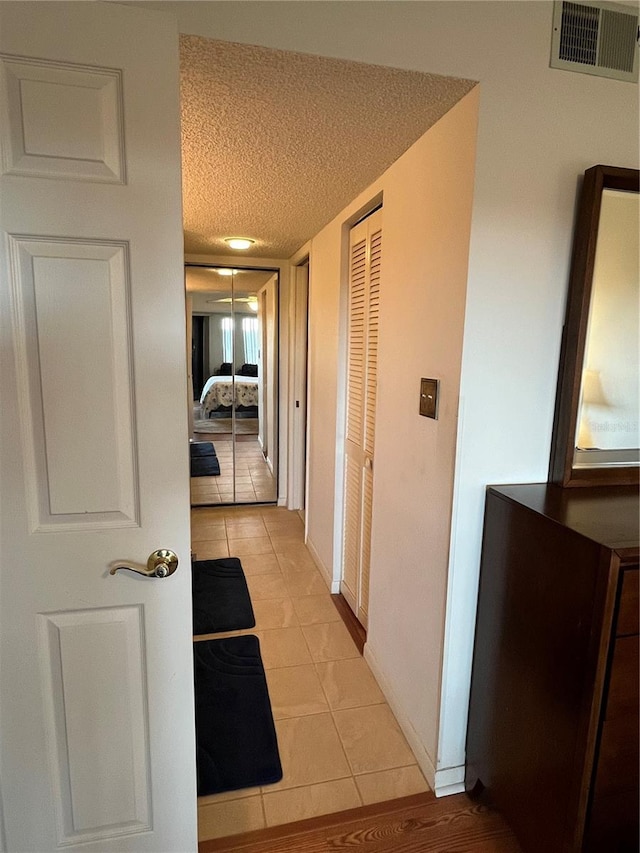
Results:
[232, 318]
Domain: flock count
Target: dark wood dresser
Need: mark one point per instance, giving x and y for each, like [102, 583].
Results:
[552, 740]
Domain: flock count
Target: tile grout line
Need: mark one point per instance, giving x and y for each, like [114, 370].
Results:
[290, 599]
[340, 741]
[333, 719]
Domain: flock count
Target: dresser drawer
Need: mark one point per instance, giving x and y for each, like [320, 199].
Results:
[624, 693]
[618, 756]
[628, 613]
[612, 825]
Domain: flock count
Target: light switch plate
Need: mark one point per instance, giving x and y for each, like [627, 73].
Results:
[429, 398]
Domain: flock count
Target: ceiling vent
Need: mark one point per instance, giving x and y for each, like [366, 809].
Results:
[596, 38]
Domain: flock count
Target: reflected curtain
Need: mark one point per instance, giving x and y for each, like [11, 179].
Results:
[227, 339]
[250, 339]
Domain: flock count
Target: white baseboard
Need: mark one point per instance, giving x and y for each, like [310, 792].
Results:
[334, 586]
[449, 781]
[422, 756]
[444, 782]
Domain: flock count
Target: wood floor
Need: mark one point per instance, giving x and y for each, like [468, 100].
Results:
[416, 824]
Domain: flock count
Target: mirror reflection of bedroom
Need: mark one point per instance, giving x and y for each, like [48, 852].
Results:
[232, 334]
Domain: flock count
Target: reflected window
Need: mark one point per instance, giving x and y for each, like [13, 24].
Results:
[227, 339]
[250, 339]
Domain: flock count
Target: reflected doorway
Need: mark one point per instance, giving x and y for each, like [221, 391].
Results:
[232, 316]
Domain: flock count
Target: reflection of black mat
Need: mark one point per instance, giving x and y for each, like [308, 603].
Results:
[220, 597]
[204, 461]
[205, 466]
[235, 735]
[202, 448]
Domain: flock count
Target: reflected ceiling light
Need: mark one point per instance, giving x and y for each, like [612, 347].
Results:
[251, 301]
[226, 271]
[239, 242]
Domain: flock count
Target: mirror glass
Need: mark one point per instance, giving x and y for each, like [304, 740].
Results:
[607, 424]
[595, 436]
[233, 363]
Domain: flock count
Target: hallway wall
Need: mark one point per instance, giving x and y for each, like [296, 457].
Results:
[426, 217]
[540, 128]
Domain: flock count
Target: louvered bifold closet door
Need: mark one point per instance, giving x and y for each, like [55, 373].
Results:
[375, 258]
[362, 353]
[355, 415]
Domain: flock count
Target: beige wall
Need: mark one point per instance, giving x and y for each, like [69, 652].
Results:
[426, 221]
[539, 129]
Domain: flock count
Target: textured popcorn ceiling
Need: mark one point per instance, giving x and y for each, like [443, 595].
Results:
[275, 144]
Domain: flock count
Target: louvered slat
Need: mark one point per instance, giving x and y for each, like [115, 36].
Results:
[352, 530]
[356, 336]
[365, 560]
[372, 341]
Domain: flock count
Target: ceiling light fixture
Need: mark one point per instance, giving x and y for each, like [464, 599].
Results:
[239, 242]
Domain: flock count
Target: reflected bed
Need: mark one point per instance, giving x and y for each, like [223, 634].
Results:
[220, 393]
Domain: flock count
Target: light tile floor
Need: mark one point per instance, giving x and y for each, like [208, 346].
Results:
[340, 745]
[245, 479]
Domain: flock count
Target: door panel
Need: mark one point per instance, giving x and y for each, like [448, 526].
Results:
[352, 533]
[96, 670]
[365, 255]
[57, 286]
[96, 718]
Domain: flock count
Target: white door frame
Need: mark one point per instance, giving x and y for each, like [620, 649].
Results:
[298, 384]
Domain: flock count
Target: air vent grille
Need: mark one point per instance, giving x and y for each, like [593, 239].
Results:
[595, 38]
[618, 40]
[579, 33]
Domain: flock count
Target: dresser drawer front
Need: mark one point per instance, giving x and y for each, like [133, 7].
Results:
[629, 611]
[624, 693]
[618, 757]
[612, 826]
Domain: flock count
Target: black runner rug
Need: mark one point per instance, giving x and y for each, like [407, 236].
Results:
[220, 596]
[236, 738]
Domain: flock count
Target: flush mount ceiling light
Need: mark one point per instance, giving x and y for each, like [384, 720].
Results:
[239, 242]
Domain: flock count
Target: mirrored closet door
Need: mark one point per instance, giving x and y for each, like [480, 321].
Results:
[233, 330]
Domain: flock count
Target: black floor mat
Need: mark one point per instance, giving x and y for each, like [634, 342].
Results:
[220, 596]
[205, 466]
[204, 460]
[235, 734]
[202, 448]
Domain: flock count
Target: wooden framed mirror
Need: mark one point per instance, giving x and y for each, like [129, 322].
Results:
[596, 432]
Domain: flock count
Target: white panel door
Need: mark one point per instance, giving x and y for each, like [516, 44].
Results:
[97, 729]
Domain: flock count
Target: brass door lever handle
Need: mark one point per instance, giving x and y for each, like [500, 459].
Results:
[160, 564]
